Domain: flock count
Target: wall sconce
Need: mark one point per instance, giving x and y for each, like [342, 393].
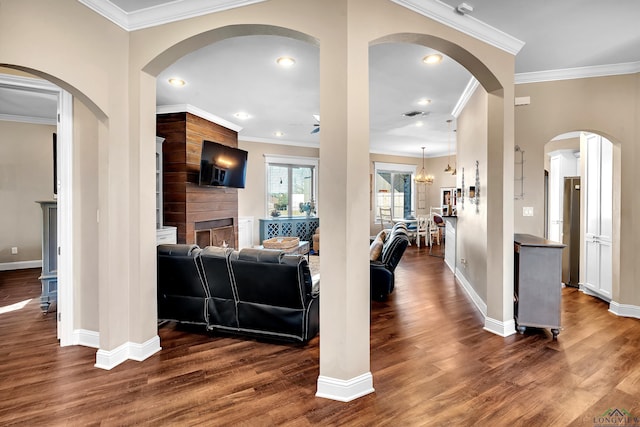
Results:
[474, 190]
[462, 192]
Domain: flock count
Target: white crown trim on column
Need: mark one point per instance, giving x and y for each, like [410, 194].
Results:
[445, 14]
[162, 13]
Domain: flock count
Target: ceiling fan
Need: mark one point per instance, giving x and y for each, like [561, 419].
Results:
[316, 128]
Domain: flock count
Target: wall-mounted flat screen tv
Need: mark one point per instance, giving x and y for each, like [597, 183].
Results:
[222, 166]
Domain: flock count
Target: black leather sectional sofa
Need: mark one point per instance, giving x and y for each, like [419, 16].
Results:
[258, 292]
[382, 267]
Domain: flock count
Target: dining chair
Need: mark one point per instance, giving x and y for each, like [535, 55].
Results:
[434, 228]
[386, 217]
[422, 229]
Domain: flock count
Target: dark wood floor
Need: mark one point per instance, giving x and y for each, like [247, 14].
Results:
[432, 364]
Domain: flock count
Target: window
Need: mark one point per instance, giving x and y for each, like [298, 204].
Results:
[291, 181]
[394, 189]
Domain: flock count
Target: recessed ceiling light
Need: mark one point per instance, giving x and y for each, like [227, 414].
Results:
[424, 101]
[285, 61]
[434, 58]
[242, 115]
[278, 133]
[419, 124]
[174, 81]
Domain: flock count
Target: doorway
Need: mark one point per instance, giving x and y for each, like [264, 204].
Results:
[581, 166]
[63, 161]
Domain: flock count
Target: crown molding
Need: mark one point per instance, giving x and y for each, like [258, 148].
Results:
[188, 108]
[578, 73]
[279, 142]
[163, 13]
[28, 83]
[33, 85]
[445, 14]
[465, 96]
[28, 119]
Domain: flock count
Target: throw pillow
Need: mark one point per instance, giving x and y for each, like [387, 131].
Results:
[382, 235]
[376, 248]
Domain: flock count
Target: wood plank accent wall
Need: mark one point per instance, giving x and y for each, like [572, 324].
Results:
[184, 201]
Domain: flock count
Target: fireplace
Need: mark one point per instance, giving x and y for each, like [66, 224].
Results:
[217, 232]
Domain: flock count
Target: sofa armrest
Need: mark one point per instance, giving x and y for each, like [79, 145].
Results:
[379, 271]
[381, 280]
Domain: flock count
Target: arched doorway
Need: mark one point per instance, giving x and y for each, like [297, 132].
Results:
[483, 147]
[584, 210]
[344, 145]
[63, 287]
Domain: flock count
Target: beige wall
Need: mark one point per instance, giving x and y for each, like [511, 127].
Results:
[604, 105]
[85, 206]
[89, 57]
[471, 231]
[26, 175]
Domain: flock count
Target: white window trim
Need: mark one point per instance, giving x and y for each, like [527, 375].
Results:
[394, 167]
[288, 160]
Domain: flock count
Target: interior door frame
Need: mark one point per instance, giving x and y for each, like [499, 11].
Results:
[64, 124]
[64, 185]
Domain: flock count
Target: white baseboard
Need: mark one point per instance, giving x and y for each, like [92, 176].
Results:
[86, 338]
[345, 390]
[477, 300]
[594, 293]
[504, 329]
[453, 270]
[109, 359]
[624, 310]
[140, 352]
[20, 265]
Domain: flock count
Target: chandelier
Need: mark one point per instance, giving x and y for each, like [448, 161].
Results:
[422, 177]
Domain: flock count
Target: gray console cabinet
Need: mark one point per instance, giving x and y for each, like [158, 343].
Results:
[537, 283]
[49, 276]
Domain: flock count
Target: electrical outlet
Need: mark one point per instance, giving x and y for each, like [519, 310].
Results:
[527, 211]
[14, 250]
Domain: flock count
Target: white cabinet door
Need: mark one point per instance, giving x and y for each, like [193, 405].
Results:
[562, 163]
[598, 215]
[555, 199]
[245, 232]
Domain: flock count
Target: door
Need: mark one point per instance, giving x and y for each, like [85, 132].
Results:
[555, 201]
[598, 215]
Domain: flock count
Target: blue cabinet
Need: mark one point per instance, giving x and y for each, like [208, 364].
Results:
[301, 227]
[49, 276]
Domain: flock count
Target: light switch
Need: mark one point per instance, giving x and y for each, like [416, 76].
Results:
[527, 211]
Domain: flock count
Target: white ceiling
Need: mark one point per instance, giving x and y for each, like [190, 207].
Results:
[566, 39]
